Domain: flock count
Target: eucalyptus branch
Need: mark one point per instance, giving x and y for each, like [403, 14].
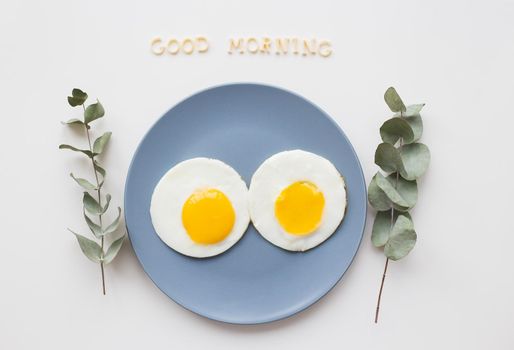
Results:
[396, 193]
[94, 207]
[99, 195]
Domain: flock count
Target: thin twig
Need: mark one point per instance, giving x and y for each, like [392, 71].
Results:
[98, 191]
[392, 223]
[380, 292]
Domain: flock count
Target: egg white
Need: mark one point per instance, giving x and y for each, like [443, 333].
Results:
[278, 172]
[175, 187]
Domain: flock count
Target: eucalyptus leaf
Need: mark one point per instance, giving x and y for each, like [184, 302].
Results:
[108, 201]
[114, 225]
[408, 128]
[393, 100]
[95, 228]
[73, 121]
[387, 157]
[394, 129]
[90, 248]
[408, 189]
[100, 171]
[386, 193]
[396, 199]
[415, 160]
[85, 151]
[91, 204]
[376, 197]
[413, 118]
[93, 112]
[85, 184]
[382, 226]
[411, 111]
[402, 238]
[411, 160]
[77, 98]
[100, 143]
[416, 124]
[113, 250]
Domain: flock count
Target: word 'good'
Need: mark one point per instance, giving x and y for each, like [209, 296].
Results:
[174, 46]
[281, 46]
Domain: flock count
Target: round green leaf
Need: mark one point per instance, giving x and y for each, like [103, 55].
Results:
[382, 226]
[386, 193]
[376, 197]
[415, 160]
[396, 199]
[412, 110]
[410, 160]
[402, 238]
[394, 129]
[93, 112]
[387, 157]
[412, 119]
[416, 124]
[409, 129]
[393, 100]
[408, 189]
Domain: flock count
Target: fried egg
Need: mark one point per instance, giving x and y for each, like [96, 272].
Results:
[200, 207]
[297, 199]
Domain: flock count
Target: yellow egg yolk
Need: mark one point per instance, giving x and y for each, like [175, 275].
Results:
[208, 216]
[299, 208]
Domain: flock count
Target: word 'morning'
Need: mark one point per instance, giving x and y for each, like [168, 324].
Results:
[281, 46]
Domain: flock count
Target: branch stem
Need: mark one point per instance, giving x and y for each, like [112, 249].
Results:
[392, 223]
[99, 195]
[380, 292]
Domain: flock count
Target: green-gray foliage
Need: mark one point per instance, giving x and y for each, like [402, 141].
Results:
[114, 225]
[113, 250]
[402, 238]
[382, 226]
[392, 191]
[77, 98]
[98, 146]
[95, 205]
[88, 186]
[411, 160]
[75, 149]
[93, 112]
[90, 248]
[404, 160]
[73, 121]
[393, 100]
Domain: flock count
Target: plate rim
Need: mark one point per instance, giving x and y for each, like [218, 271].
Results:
[298, 309]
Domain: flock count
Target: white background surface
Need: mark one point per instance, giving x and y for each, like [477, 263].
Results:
[455, 289]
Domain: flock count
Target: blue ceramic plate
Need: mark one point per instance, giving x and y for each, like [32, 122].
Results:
[242, 125]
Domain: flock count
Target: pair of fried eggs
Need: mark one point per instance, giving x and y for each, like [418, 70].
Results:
[201, 207]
